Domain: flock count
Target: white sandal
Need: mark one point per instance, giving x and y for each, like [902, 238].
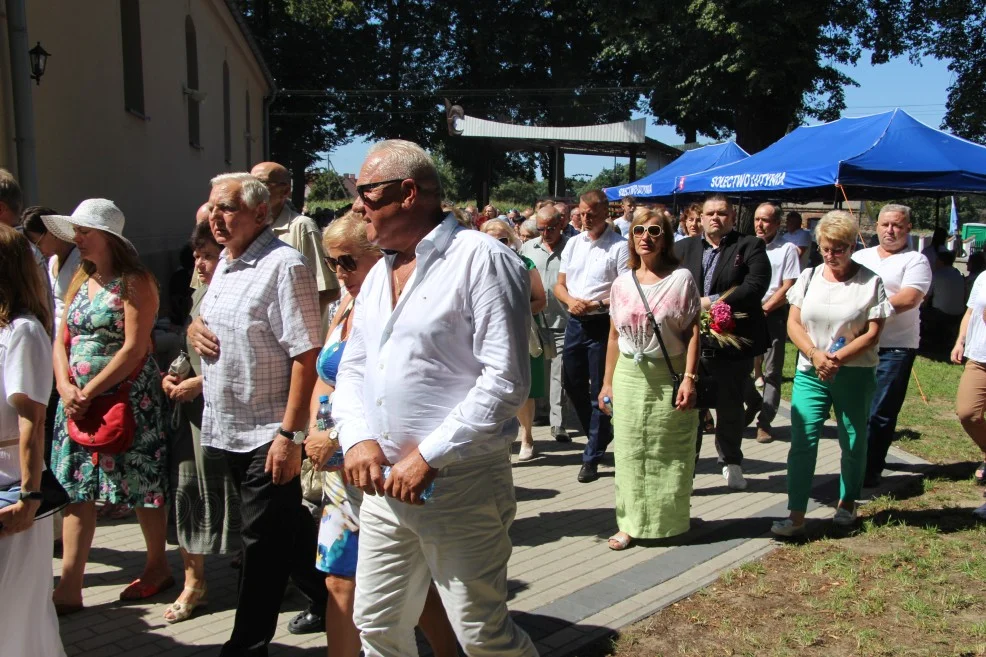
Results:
[617, 542]
[183, 610]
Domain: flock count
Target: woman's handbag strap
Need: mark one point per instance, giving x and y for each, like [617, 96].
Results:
[657, 328]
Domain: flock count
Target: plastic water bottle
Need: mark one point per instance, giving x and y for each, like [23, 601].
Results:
[838, 344]
[425, 495]
[608, 403]
[323, 420]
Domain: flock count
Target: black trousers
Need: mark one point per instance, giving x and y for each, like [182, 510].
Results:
[279, 540]
[730, 377]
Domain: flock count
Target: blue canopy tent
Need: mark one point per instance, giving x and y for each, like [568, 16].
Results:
[660, 184]
[880, 156]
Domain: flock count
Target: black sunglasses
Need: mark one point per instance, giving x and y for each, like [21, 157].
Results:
[368, 187]
[345, 261]
[503, 240]
[545, 229]
[652, 230]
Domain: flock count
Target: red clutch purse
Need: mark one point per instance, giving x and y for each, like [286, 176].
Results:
[109, 425]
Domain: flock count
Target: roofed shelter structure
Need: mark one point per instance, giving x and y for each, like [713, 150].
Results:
[624, 139]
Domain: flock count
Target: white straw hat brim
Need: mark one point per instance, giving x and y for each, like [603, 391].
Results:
[61, 226]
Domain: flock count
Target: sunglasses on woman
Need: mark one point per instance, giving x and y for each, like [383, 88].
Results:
[345, 261]
[652, 230]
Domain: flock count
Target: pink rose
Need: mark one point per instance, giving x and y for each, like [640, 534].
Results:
[77, 475]
[76, 340]
[145, 402]
[149, 498]
[83, 368]
[107, 463]
[158, 499]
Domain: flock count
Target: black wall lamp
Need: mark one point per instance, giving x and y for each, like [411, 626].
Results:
[39, 62]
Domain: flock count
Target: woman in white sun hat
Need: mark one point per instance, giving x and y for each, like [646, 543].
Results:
[110, 307]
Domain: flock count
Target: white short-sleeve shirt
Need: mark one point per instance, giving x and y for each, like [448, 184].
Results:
[905, 268]
[25, 365]
[784, 264]
[834, 314]
[590, 266]
[975, 337]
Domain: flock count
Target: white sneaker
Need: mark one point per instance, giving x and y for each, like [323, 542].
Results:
[526, 452]
[787, 528]
[733, 474]
[844, 518]
[759, 383]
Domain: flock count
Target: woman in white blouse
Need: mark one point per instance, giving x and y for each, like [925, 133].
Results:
[837, 312]
[970, 400]
[653, 434]
[28, 625]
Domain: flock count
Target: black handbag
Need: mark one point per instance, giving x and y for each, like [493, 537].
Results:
[55, 498]
[705, 388]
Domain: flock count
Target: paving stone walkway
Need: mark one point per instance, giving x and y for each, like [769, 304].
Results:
[567, 587]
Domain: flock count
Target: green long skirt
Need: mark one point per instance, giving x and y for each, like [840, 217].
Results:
[654, 445]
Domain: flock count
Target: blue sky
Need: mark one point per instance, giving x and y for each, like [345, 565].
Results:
[921, 90]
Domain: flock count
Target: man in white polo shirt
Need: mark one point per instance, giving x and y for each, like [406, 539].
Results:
[784, 271]
[906, 276]
[590, 263]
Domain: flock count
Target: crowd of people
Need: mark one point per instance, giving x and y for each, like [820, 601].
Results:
[452, 328]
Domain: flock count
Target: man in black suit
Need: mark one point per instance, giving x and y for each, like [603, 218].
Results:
[723, 260]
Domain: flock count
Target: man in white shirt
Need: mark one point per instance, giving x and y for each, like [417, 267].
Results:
[590, 263]
[944, 306]
[545, 251]
[798, 236]
[434, 372]
[906, 276]
[784, 271]
[623, 223]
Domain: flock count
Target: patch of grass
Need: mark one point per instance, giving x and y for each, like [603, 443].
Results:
[910, 582]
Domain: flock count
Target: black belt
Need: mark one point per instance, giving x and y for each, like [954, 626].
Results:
[707, 353]
[588, 318]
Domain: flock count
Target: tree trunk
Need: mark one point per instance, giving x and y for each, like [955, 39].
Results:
[298, 167]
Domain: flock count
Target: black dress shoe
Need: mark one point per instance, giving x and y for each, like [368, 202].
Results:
[588, 473]
[872, 481]
[306, 622]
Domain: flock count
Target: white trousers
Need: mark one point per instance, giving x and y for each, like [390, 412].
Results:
[458, 539]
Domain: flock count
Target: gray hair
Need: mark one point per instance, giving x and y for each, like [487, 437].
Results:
[405, 159]
[530, 227]
[896, 207]
[548, 213]
[252, 191]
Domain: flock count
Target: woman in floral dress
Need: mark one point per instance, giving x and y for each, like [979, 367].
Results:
[111, 305]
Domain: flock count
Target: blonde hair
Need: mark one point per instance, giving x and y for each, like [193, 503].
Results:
[349, 229]
[22, 289]
[668, 258]
[837, 226]
[507, 228]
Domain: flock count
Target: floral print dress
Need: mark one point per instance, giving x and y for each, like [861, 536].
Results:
[139, 476]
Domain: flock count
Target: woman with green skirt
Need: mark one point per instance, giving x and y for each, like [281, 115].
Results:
[653, 434]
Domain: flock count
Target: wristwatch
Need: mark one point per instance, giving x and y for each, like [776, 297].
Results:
[31, 495]
[297, 437]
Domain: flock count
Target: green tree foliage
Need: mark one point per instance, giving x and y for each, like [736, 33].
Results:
[519, 193]
[326, 185]
[757, 68]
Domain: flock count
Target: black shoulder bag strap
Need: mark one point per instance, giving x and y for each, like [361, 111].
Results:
[675, 378]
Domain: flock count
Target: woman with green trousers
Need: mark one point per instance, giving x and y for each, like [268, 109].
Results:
[837, 312]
